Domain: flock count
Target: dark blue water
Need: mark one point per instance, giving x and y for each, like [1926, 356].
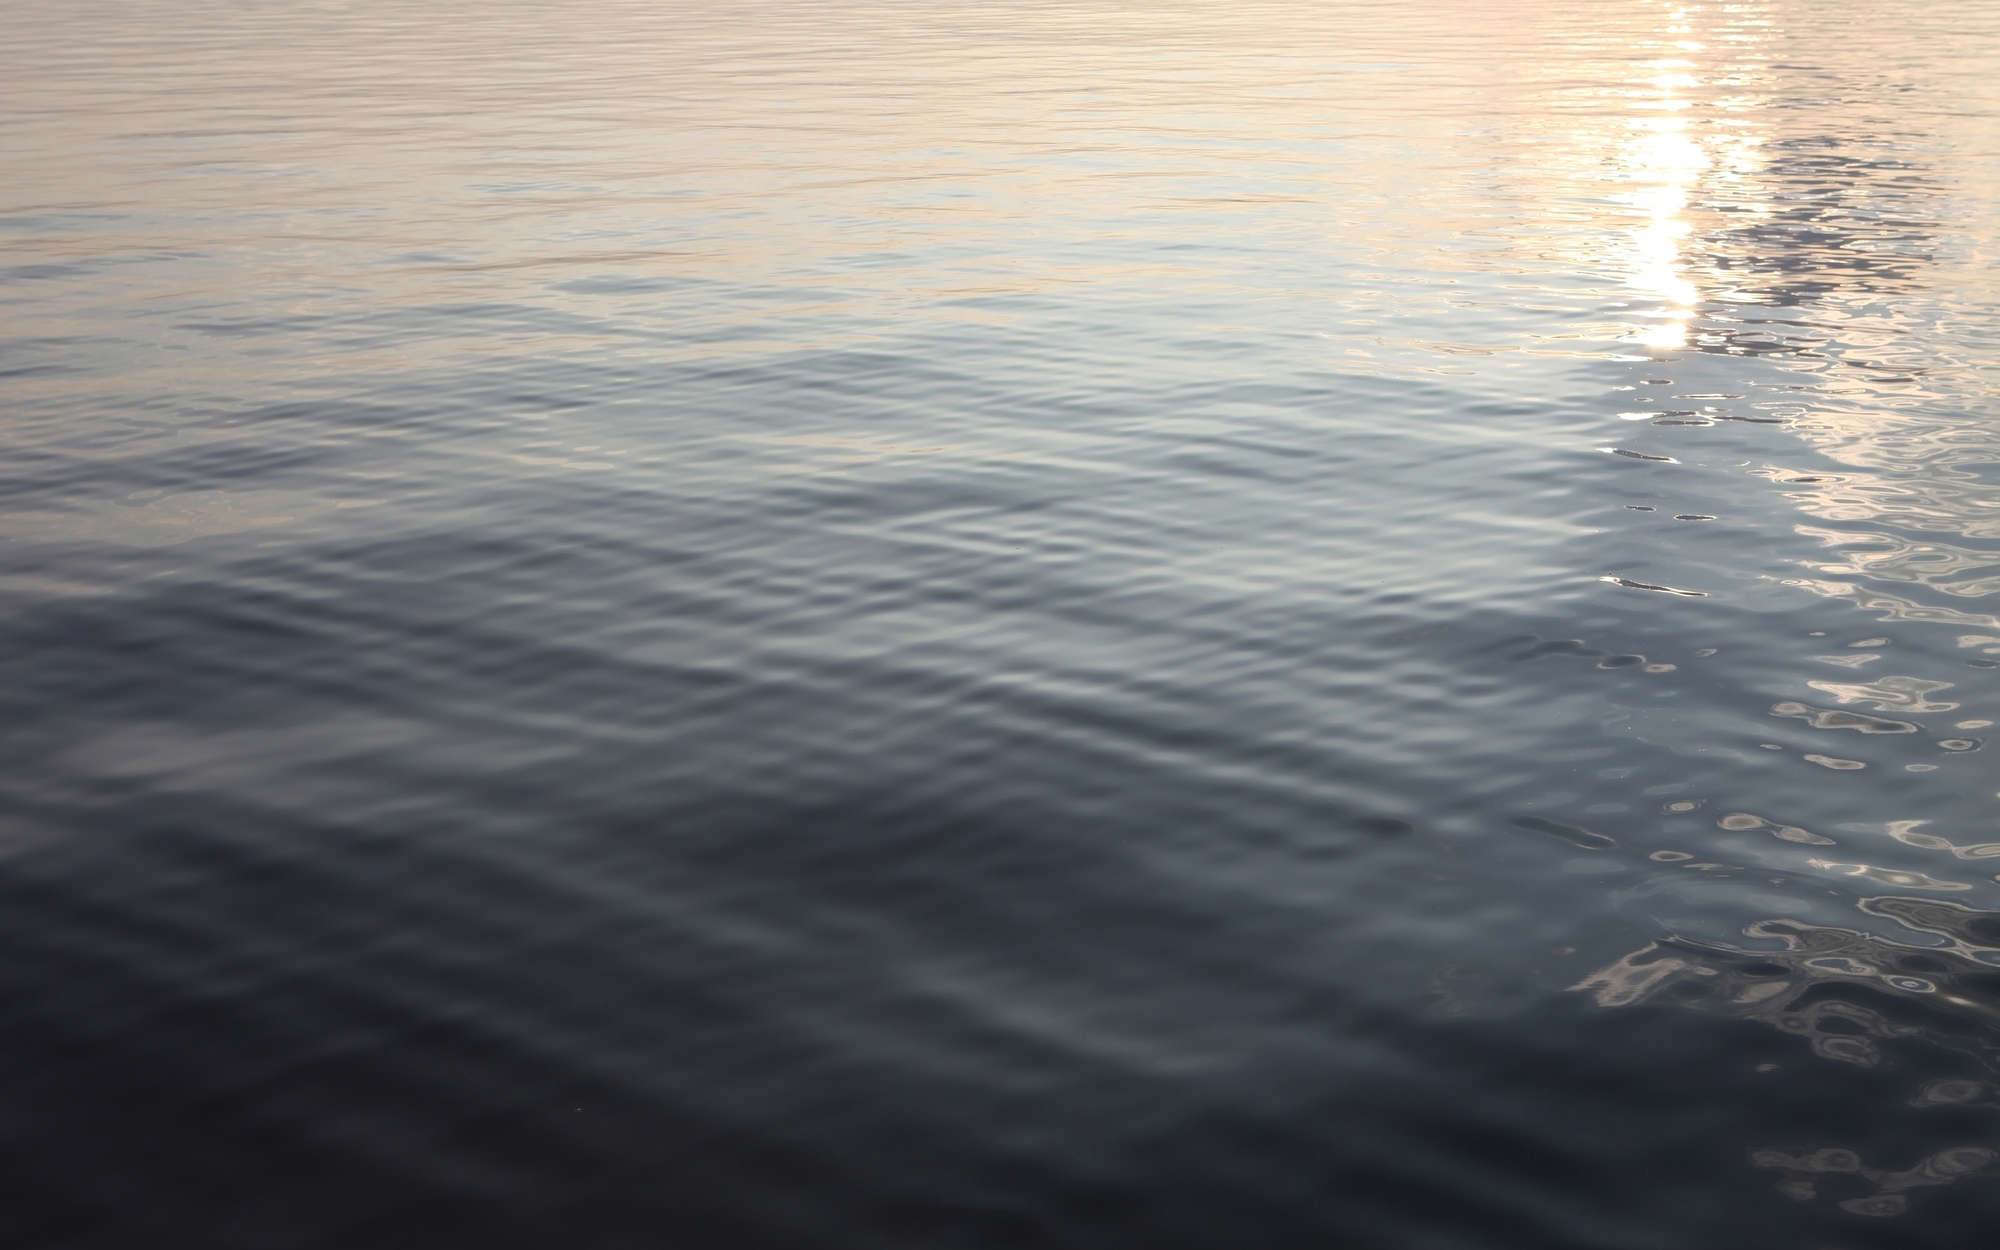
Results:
[910, 624]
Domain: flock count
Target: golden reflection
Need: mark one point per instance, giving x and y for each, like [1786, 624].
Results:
[1665, 159]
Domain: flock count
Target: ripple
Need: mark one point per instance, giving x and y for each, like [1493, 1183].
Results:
[1630, 584]
[1833, 718]
[897, 624]
[1743, 822]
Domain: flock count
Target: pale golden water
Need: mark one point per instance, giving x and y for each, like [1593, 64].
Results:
[1189, 625]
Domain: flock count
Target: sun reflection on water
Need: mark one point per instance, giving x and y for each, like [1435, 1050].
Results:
[1665, 159]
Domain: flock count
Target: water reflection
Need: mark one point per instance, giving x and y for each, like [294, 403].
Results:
[1804, 287]
[1920, 999]
[1887, 1190]
[1665, 159]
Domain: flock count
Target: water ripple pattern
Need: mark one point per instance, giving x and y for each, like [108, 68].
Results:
[913, 624]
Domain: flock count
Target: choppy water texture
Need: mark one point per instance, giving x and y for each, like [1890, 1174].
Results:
[1209, 624]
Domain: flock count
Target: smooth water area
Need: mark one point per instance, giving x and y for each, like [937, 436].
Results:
[912, 624]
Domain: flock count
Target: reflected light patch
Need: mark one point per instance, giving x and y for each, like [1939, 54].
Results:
[1664, 160]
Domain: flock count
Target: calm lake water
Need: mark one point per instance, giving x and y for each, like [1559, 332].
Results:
[1221, 625]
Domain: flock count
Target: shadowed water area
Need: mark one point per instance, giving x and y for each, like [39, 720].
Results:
[1204, 625]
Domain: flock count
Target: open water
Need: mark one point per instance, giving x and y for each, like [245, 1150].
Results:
[1223, 624]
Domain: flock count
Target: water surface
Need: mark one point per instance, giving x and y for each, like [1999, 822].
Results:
[1032, 624]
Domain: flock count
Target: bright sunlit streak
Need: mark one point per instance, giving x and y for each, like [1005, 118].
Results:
[1664, 159]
